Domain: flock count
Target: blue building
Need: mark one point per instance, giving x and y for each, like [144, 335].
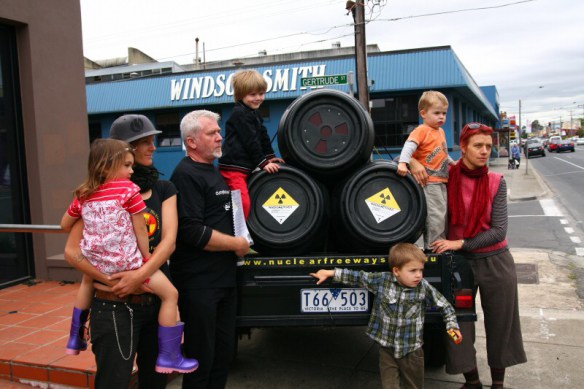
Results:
[397, 80]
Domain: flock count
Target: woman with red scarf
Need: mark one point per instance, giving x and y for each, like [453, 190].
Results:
[477, 212]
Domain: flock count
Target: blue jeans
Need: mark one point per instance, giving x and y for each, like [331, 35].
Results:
[115, 360]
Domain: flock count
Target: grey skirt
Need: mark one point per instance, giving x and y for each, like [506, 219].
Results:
[496, 279]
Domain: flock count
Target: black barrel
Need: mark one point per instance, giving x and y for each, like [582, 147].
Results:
[289, 212]
[326, 133]
[376, 208]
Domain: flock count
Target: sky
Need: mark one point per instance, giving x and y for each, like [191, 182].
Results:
[531, 50]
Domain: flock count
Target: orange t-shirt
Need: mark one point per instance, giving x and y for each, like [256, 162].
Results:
[432, 151]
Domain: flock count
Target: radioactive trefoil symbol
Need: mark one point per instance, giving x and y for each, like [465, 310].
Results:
[281, 198]
[280, 205]
[383, 205]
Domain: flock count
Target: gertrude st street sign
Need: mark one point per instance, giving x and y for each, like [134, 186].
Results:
[338, 79]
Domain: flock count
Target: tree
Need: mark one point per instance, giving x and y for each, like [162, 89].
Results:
[535, 126]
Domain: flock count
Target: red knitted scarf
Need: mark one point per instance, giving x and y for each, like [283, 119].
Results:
[480, 198]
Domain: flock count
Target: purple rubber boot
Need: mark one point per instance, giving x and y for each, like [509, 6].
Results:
[170, 357]
[77, 341]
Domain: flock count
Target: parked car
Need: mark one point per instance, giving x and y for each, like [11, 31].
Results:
[535, 147]
[565, 145]
[579, 141]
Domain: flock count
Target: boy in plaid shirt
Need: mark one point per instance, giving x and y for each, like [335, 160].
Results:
[397, 317]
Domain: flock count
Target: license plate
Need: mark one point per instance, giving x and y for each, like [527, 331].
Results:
[334, 300]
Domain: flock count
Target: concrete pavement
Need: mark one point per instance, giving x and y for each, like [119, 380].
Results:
[523, 183]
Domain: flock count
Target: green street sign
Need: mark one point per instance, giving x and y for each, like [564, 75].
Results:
[338, 79]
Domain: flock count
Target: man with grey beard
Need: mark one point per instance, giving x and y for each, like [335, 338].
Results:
[203, 266]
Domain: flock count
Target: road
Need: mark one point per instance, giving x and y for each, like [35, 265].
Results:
[564, 174]
[556, 222]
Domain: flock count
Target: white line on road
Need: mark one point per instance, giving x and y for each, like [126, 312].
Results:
[510, 216]
[549, 207]
[569, 163]
[569, 230]
[575, 239]
[580, 251]
[564, 221]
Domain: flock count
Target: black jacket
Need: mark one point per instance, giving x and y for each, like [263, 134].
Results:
[247, 144]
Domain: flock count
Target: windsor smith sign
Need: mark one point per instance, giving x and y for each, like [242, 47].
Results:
[278, 79]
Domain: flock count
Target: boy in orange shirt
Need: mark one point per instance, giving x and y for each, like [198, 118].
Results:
[427, 145]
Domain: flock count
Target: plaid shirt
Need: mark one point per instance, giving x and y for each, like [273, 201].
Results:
[397, 317]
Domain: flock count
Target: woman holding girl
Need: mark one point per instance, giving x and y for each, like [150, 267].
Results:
[115, 308]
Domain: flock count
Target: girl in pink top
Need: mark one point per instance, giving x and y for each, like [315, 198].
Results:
[114, 240]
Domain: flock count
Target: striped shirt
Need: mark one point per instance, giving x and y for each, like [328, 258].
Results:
[109, 241]
[397, 317]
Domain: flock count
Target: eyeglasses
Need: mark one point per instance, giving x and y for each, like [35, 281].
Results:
[477, 126]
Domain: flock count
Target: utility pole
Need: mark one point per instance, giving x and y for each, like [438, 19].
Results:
[358, 11]
[520, 129]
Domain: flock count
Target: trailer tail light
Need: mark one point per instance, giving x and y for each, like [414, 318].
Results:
[463, 298]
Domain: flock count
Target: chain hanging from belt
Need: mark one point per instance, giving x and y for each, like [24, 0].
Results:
[131, 332]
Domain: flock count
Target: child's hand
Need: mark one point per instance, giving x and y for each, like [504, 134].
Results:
[455, 335]
[272, 167]
[402, 169]
[277, 160]
[322, 275]
[419, 172]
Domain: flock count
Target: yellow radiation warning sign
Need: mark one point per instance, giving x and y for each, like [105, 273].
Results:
[382, 205]
[280, 205]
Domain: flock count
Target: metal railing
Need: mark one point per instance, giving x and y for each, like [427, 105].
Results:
[51, 229]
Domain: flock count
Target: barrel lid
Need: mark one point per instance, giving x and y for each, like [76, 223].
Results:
[326, 132]
[288, 209]
[379, 208]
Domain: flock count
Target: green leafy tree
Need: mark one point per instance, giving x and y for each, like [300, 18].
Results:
[535, 126]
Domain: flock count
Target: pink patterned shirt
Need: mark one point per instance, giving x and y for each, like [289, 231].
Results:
[109, 242]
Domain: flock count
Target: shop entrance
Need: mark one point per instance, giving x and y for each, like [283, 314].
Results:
[15, 248]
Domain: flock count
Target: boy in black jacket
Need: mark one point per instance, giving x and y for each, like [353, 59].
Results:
[247, 145]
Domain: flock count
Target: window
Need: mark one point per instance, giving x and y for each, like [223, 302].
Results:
[94, 131]
[456, 121]
[394, 118]
[265, 111]
[169, 124]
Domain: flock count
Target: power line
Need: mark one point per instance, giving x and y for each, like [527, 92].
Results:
[455, 11]
[374, 5]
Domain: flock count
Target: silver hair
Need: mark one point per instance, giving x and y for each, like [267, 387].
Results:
[190, 126]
